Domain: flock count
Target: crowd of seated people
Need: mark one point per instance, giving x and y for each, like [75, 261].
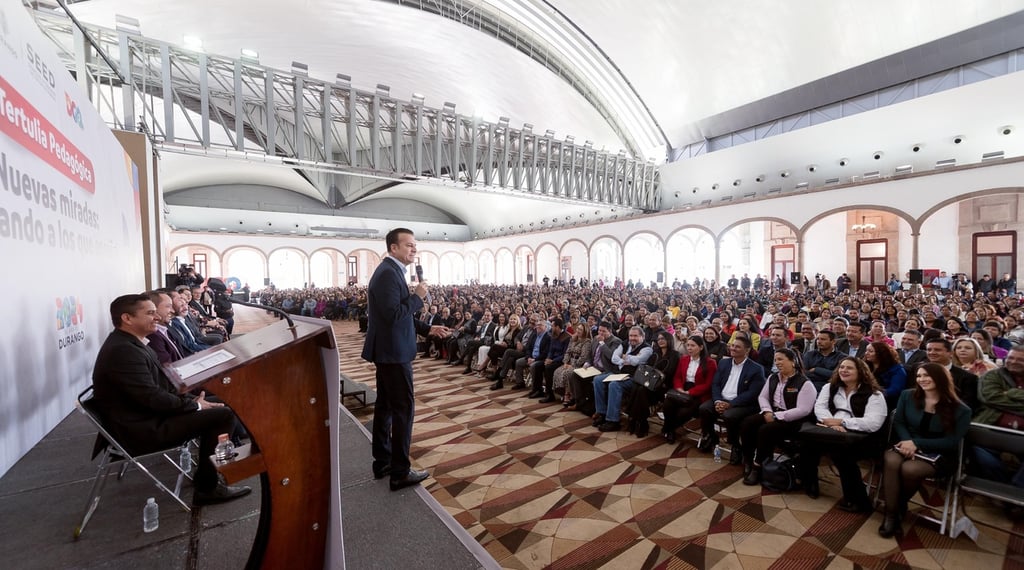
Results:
[828, 370]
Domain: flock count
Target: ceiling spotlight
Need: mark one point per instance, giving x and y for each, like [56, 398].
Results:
[1006, 130]
[958, 139]
[760, 178]
[695, 189]
[736, 182]
[878, 154]
[916, 147]
[676, 194]
[714, 186]
[812, 168]
[784, 174]
[844, 161]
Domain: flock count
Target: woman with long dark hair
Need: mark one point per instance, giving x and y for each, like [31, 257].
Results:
[786, 399]
[929, 423]
[713, 345]
[887, 370]
[851, 411]
[689, 387]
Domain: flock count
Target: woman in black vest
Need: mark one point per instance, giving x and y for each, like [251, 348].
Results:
[851, 410]
[786, 400]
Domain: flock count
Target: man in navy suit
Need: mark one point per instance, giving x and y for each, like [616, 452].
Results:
[734, 392]
[391, 345]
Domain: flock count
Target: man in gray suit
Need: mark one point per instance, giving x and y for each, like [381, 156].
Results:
[391, 345]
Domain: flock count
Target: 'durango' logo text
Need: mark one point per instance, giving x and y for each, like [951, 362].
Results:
[70, 317]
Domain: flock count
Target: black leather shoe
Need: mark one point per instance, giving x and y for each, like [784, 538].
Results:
[753, 478]
[535, 394]
[498, 385]
[598, 420]
[610, 426]
[411, 478]
[220, 494]
[736, 457]
[568, 403]
[707, 442]
[550, 398]
[852, 507]
[891, 526]
[382, 472]
[811, 489]
[670, 437]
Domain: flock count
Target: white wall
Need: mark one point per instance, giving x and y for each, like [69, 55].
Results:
[939, 244]
[824, 250]
[64, 271]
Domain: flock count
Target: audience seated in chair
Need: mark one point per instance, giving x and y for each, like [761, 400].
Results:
[850, 412]
[1001, 395]
[734, 391]
[140, 406]
[616, 359]
[929, 424]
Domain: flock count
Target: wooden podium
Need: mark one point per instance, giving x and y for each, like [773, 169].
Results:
[281, 384]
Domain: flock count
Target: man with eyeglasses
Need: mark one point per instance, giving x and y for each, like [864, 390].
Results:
[734, 391]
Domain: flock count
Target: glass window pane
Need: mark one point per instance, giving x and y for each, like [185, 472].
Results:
[865, 271]
[1003, 265]
[879, 273]
[995, 244]
[872, 249]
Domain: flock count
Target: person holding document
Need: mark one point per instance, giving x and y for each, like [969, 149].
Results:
[617, 364]
[930, 423]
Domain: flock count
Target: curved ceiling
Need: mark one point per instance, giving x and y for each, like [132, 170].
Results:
[687, 60]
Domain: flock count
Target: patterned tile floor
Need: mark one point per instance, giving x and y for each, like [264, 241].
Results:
[541, 488]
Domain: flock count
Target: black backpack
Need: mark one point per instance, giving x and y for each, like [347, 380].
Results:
[780, 474]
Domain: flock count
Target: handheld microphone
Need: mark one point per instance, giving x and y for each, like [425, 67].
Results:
[419, 279]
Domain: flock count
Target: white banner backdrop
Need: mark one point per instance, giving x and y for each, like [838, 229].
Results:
[70, 234]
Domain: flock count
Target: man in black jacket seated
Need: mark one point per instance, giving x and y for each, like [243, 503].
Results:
[139, 405]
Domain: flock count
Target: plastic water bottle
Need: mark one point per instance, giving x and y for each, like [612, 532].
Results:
[185, 460]
[150, 516]
[718, 454]
[225, 450]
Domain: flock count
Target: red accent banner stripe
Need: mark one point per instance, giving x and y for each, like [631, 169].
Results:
[29, 128]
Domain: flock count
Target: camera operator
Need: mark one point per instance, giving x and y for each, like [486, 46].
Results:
[187, 276]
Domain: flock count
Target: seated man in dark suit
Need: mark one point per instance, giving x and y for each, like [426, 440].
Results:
[166, 348]
[766, 354]
[910, 352]
[734, 390]
[142, 409]
[940, 351]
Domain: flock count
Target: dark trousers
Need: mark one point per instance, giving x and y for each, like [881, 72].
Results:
[732, 418]
[677, 413]
[757, 435]
[206, 425]
[549, 377]
[392, 418]
[845, 458]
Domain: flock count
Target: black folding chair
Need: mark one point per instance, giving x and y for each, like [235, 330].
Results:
[998, 440]
[113, 455]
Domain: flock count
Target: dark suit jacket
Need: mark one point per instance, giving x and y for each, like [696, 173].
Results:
[917, 358]
[843, 346]
[751, 382]
[390, 328]
[766, 356]
[179, 340]
[131, 391]
[164, 348]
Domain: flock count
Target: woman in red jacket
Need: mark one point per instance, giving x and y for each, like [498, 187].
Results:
[690, 387]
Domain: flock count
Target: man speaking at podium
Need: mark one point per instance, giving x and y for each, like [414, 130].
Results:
[391, 345]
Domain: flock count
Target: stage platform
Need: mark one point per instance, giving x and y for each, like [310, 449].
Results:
[43, 496]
